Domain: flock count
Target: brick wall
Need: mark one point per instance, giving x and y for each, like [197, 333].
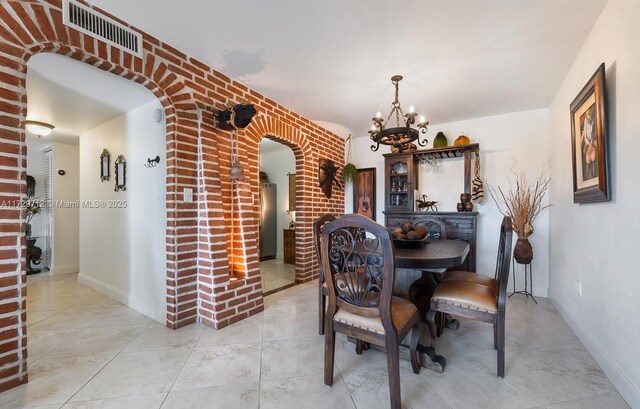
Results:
[212, 258]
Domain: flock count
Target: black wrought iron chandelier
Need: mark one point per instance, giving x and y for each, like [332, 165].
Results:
[399, 137]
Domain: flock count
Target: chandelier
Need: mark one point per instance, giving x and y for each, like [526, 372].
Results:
[399, 137]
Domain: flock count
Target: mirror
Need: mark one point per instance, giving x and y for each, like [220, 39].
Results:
[121, 173]
[105, 161]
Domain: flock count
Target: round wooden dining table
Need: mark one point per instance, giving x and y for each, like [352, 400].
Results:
[434, 254]
[415, 281]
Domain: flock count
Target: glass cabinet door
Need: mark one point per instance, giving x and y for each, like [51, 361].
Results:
[400, 182]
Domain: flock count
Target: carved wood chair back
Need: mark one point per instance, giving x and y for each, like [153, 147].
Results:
[322, 288]
[358, 256]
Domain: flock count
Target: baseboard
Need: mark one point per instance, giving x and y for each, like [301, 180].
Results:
[629, 391]
[121, 296]
[64, 269]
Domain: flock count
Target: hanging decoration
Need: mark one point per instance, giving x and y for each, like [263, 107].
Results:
[237, 116]
[477, 186]
[349, 172]
[327, 171]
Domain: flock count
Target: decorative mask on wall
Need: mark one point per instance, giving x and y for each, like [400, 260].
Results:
[327, 173]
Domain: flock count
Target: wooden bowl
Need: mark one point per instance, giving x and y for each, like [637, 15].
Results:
[409, 244]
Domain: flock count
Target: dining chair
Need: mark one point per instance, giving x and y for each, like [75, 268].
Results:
[360, 274]
[322, 286]
[477, 301]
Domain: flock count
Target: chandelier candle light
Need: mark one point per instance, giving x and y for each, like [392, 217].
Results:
[399, 137]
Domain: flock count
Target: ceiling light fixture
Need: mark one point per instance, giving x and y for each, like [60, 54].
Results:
[38, 128]
[399, 137]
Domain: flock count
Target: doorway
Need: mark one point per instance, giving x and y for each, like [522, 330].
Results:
[277, 197]
[99, 179]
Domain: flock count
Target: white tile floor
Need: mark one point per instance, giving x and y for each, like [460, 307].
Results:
[276, 274]
[88, 351]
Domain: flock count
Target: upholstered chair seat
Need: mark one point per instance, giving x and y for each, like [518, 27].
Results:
[402, 311]
[471, 277]
[466, 295]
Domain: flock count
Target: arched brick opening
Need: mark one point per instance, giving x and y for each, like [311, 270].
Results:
[19, 41]
[271, 128]
[201, 283]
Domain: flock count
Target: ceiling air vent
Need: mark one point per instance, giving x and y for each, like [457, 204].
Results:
[104, 28]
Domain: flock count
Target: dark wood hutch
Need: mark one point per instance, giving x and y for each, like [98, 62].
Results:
[401, 179]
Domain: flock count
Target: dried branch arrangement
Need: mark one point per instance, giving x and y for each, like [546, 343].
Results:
[523, 200]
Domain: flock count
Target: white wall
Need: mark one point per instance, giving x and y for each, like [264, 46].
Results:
[65, 219]
[277, 162]
[521, 135]
[122, 250]
[595, 243]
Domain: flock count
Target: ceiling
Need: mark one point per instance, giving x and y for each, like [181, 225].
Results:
[332, 60]
[75, 97]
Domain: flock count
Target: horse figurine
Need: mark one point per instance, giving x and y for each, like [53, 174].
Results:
[429, 205]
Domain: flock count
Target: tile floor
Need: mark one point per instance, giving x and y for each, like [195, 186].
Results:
[276, 274]
[88, 351]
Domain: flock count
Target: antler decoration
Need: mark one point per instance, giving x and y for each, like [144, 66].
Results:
[327, 176]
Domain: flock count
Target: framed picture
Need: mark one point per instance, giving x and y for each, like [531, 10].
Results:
[105, 162]
[364, 193]
[589, 142]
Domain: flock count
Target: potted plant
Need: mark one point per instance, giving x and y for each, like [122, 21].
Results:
[522, 201]
[349, 172]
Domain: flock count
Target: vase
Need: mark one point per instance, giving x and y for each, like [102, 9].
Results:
[523, 252]
[440, 141]
[461, 141]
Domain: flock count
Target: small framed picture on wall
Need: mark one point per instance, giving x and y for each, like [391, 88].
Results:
[364, 193]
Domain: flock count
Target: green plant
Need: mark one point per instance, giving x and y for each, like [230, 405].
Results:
[349, 172]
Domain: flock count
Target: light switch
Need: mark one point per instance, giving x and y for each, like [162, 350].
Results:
[188, 195]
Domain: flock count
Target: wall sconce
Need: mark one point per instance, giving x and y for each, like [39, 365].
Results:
[38, 128]
[152, 163]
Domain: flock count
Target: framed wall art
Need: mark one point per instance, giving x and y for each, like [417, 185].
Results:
[105, 162]
[589, 141]
[364, 193]
[121, 173]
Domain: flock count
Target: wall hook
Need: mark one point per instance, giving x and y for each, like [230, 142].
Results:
[151, 163]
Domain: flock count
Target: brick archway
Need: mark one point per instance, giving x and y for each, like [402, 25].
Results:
[271, 128]
[202, 284]
[42, 31]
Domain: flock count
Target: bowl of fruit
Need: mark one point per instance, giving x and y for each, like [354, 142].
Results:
[409, 236]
